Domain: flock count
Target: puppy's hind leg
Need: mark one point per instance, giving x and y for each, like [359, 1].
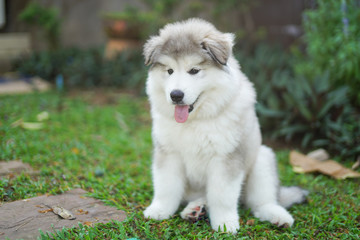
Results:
[261, 191]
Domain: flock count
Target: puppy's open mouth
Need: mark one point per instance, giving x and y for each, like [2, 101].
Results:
[182, 111]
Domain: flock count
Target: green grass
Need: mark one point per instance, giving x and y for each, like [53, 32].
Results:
[106, 150]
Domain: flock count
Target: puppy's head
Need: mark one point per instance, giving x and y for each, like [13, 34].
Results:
[186, 58]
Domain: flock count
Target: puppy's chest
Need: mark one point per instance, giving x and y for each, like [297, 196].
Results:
[197, 142]
[197, 145]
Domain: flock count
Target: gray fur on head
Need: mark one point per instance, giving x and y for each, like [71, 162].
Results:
[189, 37]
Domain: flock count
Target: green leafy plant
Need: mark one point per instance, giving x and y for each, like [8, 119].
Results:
[139, 23]
[86, 68]
[132, 23]
[295, 108]
[332, 34]
[317, 115]
[157, 13]
[46, 18]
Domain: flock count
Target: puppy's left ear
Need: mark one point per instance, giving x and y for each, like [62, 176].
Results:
[151, 49]
[219, 46]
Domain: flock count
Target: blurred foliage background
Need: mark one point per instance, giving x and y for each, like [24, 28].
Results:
[308, 93]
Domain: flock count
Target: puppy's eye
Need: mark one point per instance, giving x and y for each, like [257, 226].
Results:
[194, 71]
[170, 71]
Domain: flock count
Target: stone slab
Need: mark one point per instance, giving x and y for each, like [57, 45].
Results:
[15, 167]
[22, 219]
[10, 85]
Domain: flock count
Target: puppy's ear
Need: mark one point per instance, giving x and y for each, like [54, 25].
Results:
[219, 47]
[151, 49]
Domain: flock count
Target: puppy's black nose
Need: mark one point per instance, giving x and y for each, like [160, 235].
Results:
[177, 96]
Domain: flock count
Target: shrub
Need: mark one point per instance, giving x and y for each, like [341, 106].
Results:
[332, 33]
[46, 18]
[314, 97]
[293, 107]
[86, 68]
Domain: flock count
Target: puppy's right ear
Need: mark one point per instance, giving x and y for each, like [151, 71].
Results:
[152, 49]
[219, 46]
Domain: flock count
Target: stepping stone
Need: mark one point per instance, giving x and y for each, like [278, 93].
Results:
[18, 85]
[15, 167]
[23, 218]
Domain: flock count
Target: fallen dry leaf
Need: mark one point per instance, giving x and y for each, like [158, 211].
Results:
[356, 164]
[11, 175]
[43, 116]
[88, 223]
[120, 119]
[32, 125]
[81, 211]
[62, 212]
[27, 125]
[250, 222]
[319, 154]
[17, 123]
[45, 211]
[304, 164]
[75, 150]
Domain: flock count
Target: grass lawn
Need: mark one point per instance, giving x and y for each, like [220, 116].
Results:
[106, 150]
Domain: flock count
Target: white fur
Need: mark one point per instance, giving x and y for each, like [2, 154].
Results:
[216, 154]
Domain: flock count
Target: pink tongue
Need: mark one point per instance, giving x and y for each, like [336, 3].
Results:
[181, 113]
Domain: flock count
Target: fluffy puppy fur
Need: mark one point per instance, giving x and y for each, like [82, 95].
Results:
[206, 135]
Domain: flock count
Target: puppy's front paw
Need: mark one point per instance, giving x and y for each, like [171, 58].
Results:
[230, 226]
[225, 222]
[157, 212]
[275, 214]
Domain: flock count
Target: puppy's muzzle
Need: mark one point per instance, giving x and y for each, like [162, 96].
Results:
[177, 96]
